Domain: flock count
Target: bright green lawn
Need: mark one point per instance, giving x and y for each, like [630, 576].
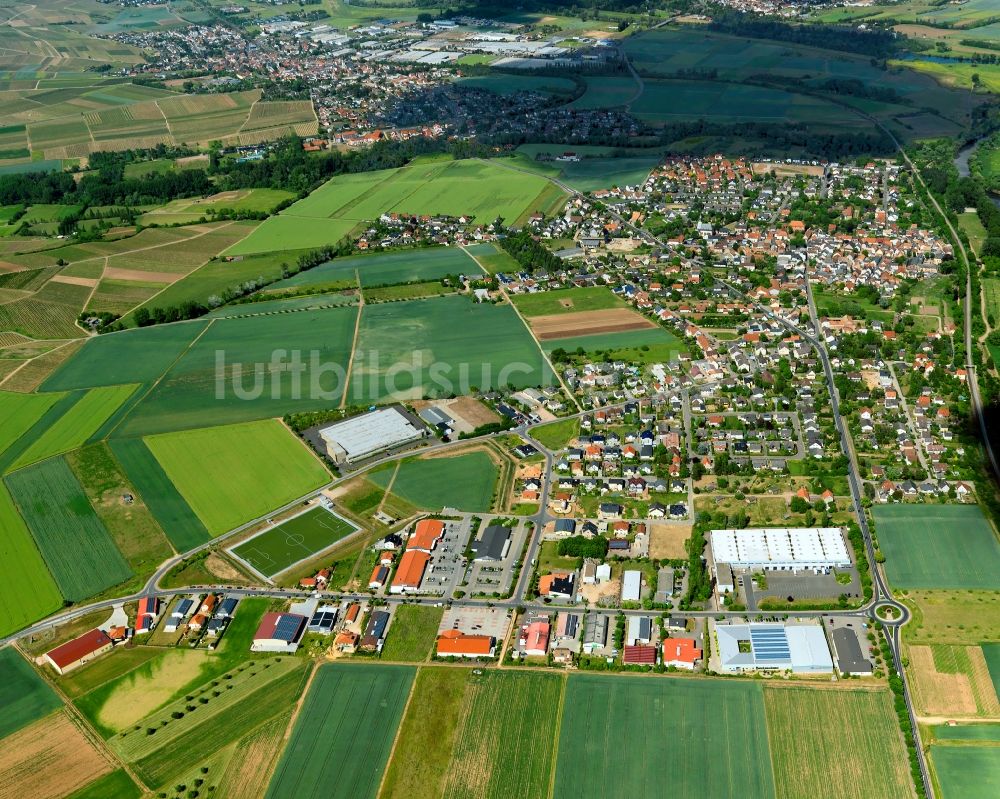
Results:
[465, 482]
[24, 696]
[561, 301]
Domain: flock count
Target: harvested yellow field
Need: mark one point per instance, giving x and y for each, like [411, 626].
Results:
[148, 687]
[666, 541]
[48, 759]
[937, 693]
[829, 743]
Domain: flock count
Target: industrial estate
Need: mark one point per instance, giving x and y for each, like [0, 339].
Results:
[571, 400]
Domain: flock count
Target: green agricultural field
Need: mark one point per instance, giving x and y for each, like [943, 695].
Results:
[967, 732]
[92, 675]
[116, 783]
[20, 412]
[76, 546]
[132, 356]
[709, 736]
[285, 544]
[232, 474]
[413, 633]
[991, 653]
[606, 92]
[509, 84]
[441, 346]
[592, 174]
[175, 517]
[192, 395]
[465, 482]
[937, 546]
[966, 772]
[50, 313]
[286, 232]
[342, 738]
[422, 758]
[27, 590]
[822, 740]
[563, 301]
[24, 696]
[478, 189]
[385, 269]
[506, 738]
[188, 210]
[655, 345]
[77, 424]
[310, 302]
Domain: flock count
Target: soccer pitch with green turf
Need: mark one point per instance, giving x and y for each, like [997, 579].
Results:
[937, 546]
[709, 736]
[386, 269]
[235, 473]
[24, 696]
[465, 482]
[343, 736]
[285, 544]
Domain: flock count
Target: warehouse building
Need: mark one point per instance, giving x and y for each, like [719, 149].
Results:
[492, 544]
[369, 434]
[80, 650]
[799, 648]
[817, 549]
[279, 632]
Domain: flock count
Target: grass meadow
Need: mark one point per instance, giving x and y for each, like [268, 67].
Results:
[564, 301]
[465, 481]
[179, 523]
[234, 473]
[24, 696]
[937, 547]
[75, 544]
[412, 634]
[967, 771]
[343, 736]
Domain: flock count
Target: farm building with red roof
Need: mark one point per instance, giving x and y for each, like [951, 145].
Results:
[78, 651]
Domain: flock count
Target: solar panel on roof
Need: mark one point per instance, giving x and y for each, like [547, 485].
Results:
[769, 644]
[286, 628]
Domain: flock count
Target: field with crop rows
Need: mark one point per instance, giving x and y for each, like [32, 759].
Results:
[343, 735]
[822, 743]
[232, 474]
[76, 546]
[947, 546]
[74, 427]
[413, 633]
[710, 736]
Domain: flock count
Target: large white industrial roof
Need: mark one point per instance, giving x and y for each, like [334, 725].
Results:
[780, 545]
[371, 432]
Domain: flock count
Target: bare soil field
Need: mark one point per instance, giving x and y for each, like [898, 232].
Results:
[584, 323]
[938, 694]
[89, 282]
[48, 759]
[783, 170]
[117, 273]
[666, 541]
[472, 411]
[220, 567]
